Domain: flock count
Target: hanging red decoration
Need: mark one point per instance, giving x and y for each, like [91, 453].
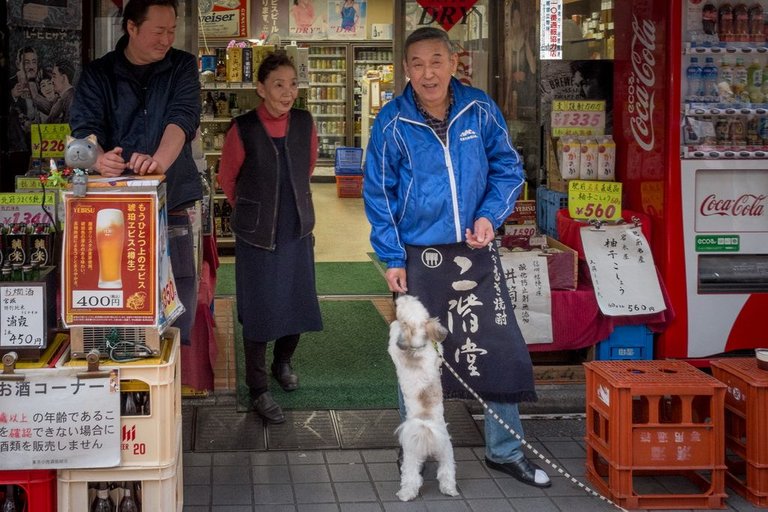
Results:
[446, 12]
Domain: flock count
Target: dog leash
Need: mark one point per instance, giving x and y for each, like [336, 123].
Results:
[525, 443]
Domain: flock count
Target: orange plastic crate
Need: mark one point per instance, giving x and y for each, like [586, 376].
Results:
[349, 186]
[647, 418]
[39, 487]
[746, 421]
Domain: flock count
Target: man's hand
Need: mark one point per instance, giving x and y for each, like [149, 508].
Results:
[111, 164]
[483, 234]
[396, 280]
[145, 164]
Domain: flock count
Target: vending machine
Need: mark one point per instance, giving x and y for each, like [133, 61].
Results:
[691, 128]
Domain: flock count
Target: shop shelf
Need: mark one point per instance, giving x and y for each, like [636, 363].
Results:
[39, 487]
[745, 425]
[648, 418]
[149, 440]
[547, 203]
[349, 186]
[161, 487]
[626, 342]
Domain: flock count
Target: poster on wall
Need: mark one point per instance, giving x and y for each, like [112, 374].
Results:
[269, 17]
[43, 71]
[223, 18]
[64, 14]
[308, 19]
[346, 19]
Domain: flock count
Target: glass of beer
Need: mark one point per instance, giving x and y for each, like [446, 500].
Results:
[110, 232]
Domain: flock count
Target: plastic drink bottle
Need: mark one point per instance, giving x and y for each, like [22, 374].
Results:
[709, 77]
[694, 74]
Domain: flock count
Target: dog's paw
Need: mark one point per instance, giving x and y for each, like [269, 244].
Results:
[407, 493]
[449, 490]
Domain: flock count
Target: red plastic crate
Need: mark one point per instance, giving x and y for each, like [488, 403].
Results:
[746, 421]
[349, 186]
[39, 486]
[655, 418]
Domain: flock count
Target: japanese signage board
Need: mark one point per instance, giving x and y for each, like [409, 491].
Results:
[224, 18]
[22, 315]
[551, 35]
[622, 270]
[115, 264]
[578, 117]
[528, 281]
[53, 419]
[26, 208]
[48, 140]
[600, 200]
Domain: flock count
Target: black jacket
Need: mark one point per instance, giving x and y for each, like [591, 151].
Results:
[111, 102]
[254, 218]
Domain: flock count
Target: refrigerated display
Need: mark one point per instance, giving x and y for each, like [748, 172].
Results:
[692, 114]
[335, 72]
[369, 60]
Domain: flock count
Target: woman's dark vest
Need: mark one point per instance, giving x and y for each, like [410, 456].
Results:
[254, 218]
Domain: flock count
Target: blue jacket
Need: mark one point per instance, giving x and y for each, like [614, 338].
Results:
[111, 102]
[419, 191]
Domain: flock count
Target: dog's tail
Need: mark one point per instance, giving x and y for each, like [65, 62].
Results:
[422, 435]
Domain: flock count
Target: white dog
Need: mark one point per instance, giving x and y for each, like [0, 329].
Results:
[415, 347]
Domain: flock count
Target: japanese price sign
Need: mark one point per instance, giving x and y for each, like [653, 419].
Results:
[22, 315]
[53, 419]
[585, 117]
[551, 35]
[600, 200]
[48, 140]
[622, 270]
[26, 208]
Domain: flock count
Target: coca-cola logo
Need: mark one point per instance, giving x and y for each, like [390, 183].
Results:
[746, 205]
[640, 90]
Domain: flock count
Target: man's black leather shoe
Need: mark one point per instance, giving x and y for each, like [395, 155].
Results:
[521, 470]
[268, 409]
[285, 376]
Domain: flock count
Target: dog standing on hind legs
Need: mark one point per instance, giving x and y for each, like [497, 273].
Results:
[415, 347]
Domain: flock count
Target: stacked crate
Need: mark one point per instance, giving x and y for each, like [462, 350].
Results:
[655, 419]
[348, 168]
[150, 442]
[626, 342]
[547, 203]
[746, 421]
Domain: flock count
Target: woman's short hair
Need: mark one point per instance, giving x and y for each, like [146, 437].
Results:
[273, 61]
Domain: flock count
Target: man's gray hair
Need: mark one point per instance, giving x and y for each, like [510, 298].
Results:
[425, 34]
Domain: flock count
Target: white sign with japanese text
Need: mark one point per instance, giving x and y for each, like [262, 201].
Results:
[55, 420]
[22, 316]
[551, 35]
[528, 281]
[622, 270]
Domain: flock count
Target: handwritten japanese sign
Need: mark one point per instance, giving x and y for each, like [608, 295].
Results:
[528, 282]
[48, 140]
[55, 420]
[22, 315]
[25, 208]
[622, 270]
[599, 200]
[585, 117]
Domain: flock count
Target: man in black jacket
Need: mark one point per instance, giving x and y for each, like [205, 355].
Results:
[142, 101]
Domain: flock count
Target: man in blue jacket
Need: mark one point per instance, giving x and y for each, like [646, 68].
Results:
[142, 101]
[440, 169]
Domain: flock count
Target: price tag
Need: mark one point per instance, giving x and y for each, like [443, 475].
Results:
[25, 207]
[48, 140]
[22, 316]
[578, 118]
[600, 200]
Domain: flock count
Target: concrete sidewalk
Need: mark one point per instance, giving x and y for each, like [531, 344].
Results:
[254, 476]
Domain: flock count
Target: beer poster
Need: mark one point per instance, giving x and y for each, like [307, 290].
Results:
[223, 18]
[110, 259]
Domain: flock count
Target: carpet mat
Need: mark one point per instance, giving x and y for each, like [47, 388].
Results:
[345, 366]
[332, 278]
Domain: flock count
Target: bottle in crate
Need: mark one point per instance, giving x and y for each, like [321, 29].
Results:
[9, 500]
[102, 502]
